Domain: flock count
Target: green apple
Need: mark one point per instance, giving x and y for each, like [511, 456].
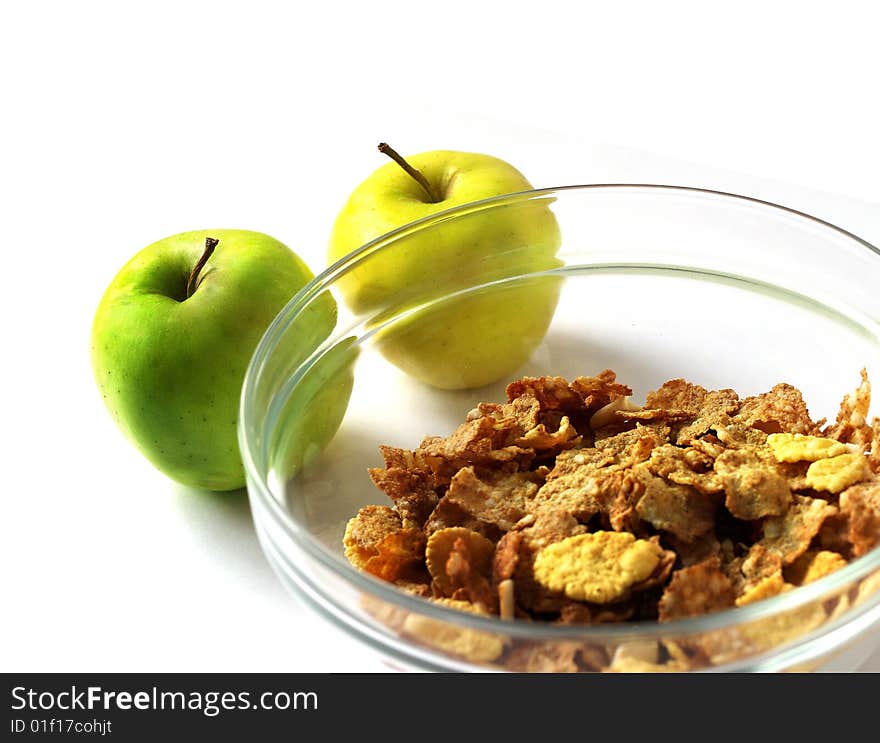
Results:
[172, 338]
[462, 320]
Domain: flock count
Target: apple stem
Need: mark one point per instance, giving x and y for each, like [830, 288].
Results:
[419, 178]
[210, 244]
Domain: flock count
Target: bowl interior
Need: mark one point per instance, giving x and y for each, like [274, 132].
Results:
[655, 283]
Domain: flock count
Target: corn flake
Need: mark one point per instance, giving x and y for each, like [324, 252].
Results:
[796, 447]
[600, 567]
[836, 474]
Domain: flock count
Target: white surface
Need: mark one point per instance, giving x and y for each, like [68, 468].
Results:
[122, 126]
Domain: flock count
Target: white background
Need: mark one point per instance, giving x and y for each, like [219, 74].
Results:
[123, 123]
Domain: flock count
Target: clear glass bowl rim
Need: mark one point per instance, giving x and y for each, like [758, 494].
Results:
[259, 490]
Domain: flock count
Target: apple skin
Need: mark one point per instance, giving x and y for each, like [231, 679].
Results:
[473, 339]
[170, 368]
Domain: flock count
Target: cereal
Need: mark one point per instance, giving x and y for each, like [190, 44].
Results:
[441, 545]
[558, 657]
[552, 393]
[861, 505]
[472, 645]
[412, 492]
[600, 567]
[468, 576]
[813, 565]
[772, 585]
[596, 392]
[852, 425]
[685, 466]
[695, 590]
[399, 555]
[838, 473]
[540, 439]
[706, 409]
[678, 509]
[790, 534]
[753, 486]
[796, 447]
[506, 556]
[781, 410]
[363, 532]
[570, 503]
[496, 498]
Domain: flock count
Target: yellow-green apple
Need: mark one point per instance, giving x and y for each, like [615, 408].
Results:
[467, 321]
[172, 338]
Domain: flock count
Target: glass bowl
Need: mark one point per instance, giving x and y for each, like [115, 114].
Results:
[655, 282]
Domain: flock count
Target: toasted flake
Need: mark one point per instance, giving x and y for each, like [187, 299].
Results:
[481, 441]
[442, 543]
[468, 580]
[366, 530]
[447, 514]
[600, 567]
[540, 439]
[708, 409]
[836, 474]
[400, 555]
[685, 466]
[498, 498]
[851, 425]
[575, 485]
[860, 504]
[874, 451]
[679, 509]
[772, 585]
[411, 490]
[551, 525]
[596, 392]
[506, 556]
[790, 534]
[699, 589]
[796, 447]
[781, 410]
[557, 657]
[691, 553]
[472, 645]
[763, 634]
[813, 565]
[753, 486]
[552, 393]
